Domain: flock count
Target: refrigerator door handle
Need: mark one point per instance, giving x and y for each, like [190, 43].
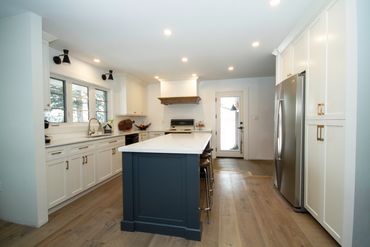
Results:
[280, 130]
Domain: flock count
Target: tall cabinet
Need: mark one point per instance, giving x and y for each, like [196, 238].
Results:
[323, 46]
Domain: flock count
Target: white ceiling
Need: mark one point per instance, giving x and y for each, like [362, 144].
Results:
[127, 35]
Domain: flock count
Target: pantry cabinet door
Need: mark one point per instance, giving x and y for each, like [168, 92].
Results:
[316, 78]
[300, 54]
[336, 61]
[56, 182]
[286, 63]
[334, 177]
[314, 171]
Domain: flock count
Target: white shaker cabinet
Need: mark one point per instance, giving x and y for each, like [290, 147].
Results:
[116, 160]
[88, 170]
[56, 181]
[327, 65]
[103, 163]
[300, 54]
[336, 61]
[316, 78]
[324, 174]
[74, 175]
[286, 63]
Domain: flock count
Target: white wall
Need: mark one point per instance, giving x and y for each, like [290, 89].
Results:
[259, 110]
[22, 169]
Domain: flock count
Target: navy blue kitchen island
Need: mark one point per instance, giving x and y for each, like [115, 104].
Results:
[161, 186]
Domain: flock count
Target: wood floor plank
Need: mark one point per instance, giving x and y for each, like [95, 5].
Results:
[247, 211]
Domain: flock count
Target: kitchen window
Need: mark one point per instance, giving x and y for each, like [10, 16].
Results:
[56, 114]
[80, 103]
[101, 108]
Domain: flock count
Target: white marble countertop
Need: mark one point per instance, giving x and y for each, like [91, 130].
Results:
[193, 143]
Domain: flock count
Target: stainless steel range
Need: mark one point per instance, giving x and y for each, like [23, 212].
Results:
[181, 126]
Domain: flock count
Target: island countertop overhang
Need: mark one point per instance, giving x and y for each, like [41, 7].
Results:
[193, 143]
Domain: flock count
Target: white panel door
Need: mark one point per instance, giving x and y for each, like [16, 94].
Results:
[287, 63]
[300, 54]
[56, 182]
[116, 160]
[314, 170]
[88, 170]
[103, 164]
[336, 64]
[334, 177]
[316, 82]
[74, 175]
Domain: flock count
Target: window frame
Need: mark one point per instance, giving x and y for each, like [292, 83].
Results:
[68, 113]
[64, 98]
[73, 82]
[105, 101]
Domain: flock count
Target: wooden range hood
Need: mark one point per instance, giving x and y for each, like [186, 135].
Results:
[180, 100]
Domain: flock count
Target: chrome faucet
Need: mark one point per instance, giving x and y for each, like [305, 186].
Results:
[89, 130]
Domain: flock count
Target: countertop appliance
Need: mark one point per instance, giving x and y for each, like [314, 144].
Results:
[181, 126]
[289, 139]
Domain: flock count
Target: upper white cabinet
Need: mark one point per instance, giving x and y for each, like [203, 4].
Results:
[131, 97]
[300, 54]
[336, 61]
[316, 78]
[327, 65]
[286, 61]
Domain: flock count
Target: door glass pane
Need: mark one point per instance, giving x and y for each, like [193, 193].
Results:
[229, 123]
[80, 103]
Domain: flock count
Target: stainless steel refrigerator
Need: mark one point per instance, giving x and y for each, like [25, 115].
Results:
[289, 139]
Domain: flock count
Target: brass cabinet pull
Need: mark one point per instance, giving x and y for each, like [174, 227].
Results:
[67, 167]
[113, 141]
[320, 109]
[83, 147]
[86, 160]
[113, 151]
[83, 160]
[55, 153]
[319, 133]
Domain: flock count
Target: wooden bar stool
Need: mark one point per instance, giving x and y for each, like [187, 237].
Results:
[207, 153]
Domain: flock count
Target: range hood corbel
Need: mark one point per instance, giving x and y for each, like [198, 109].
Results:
[180, 100]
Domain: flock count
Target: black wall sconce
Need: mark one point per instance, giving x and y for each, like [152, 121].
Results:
[110, 75]
[57, 59]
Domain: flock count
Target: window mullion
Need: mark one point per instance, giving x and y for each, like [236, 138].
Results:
[69, 101]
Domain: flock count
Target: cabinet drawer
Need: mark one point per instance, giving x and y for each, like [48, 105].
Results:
[110, 142]
[82, 148]
[56, 153]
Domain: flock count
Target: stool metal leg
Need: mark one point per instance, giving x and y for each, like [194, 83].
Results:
[208, 208]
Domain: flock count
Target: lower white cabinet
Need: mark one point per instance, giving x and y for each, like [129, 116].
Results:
[72, 169]
[143, 136]
[103, 164]
[324, 174]
[74, 175]
[88, 170]
[116, 160]
[56, 181]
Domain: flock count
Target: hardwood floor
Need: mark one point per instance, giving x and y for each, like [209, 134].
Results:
[247, 212]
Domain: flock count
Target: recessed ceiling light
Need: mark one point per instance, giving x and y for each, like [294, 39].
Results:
[274, 2]
[231, 68]
[156, 77]
[167, 32]
[184, 59]
[96, 60]
[255, 44]
[194, 75]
